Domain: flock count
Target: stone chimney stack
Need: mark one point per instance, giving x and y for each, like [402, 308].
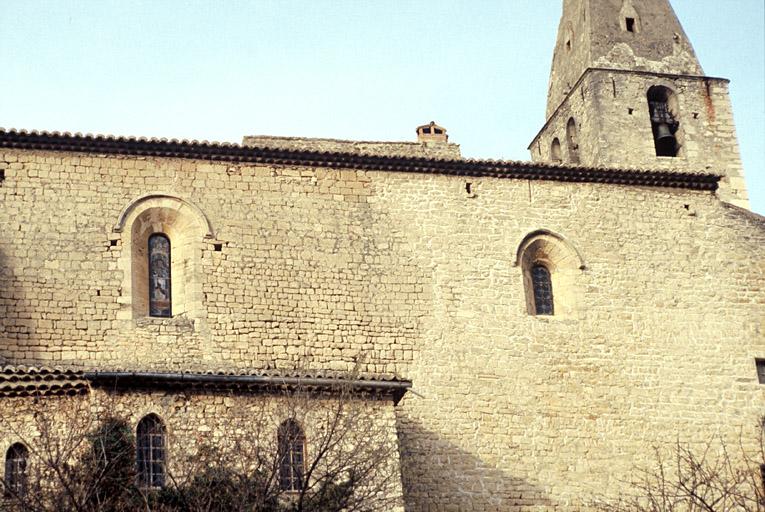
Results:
[431, 132]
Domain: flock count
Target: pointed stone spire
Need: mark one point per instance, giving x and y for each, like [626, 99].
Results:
[640, 35]
[626, 90]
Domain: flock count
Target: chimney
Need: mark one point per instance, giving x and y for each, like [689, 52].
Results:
[431, 133]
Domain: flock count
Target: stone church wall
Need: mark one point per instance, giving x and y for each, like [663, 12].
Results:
[225, 428]
[419, 274]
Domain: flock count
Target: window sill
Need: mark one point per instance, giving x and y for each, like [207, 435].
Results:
[164, 324]
[552, 319]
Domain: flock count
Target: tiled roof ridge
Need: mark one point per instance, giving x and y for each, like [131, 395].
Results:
[232, 152]
[9, 370]
[14, 369]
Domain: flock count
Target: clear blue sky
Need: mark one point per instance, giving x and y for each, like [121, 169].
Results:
[353, 69]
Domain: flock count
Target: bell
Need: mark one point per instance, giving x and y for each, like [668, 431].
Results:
[666, 144]
[664, 134]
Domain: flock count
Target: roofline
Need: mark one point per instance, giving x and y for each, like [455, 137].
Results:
[235, 153]
[394, 389]
[614, 70]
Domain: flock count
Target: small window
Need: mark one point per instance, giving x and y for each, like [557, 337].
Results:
[630, 23]
[555, 153]
[543, 294]
[150, 456]
[572, 140]
[160, 298]
[760, 370]
[426, 130]
[291, 456]
[16, 470]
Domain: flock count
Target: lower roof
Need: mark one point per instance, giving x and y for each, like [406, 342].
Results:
[20, 381]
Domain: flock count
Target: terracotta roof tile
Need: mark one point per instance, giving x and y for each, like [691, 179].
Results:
[16, 381]
[229, 152]
[40, 381]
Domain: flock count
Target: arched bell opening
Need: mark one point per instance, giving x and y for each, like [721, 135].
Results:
[665, 121]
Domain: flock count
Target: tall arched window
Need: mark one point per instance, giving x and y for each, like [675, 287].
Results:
[160, 298]
[291, 456]
[573, 141]
[665, 121]
[543, 294]
[151, 451]
[555, 155]
[16, 470]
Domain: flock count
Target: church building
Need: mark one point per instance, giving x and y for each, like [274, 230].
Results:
[517, 336]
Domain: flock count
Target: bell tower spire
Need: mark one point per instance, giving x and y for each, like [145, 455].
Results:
[626, 90]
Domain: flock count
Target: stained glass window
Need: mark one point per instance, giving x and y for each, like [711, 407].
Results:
[543, 295]
[291, 456]
[16, 470]
[150, 456]
[160, 302]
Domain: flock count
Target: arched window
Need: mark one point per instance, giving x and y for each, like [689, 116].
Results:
[551, 268]
[665, 121]
[573, 141]
[543, 294]
[160, 298]
[555, 150]
[151, 451]
[291, 456]
[186, 228]
[16, 470]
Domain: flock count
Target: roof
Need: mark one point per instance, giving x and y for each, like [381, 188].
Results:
[18, 381]
[229, 152]
[41, 381]
[268, 380]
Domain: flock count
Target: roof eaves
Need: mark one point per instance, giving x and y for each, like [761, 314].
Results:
[229, 152]
[381, 386]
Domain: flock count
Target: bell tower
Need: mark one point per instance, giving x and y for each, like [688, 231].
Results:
[626, 90]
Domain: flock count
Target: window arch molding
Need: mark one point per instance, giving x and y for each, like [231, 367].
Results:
[553, 237]
[186, 227]
[563, 264]
[140, 203]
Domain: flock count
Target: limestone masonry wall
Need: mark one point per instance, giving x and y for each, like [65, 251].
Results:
[241, 429]
[426, 149]
[416, 274]
[614, 127]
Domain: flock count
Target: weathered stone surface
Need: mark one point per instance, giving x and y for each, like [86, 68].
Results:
[659, 292]
[319, 267]
[428, 148]
[600, 78]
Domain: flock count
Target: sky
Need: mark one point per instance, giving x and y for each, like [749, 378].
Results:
[348, 69]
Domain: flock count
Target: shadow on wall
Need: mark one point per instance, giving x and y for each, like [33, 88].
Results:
[438, 475]
[8, 314]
